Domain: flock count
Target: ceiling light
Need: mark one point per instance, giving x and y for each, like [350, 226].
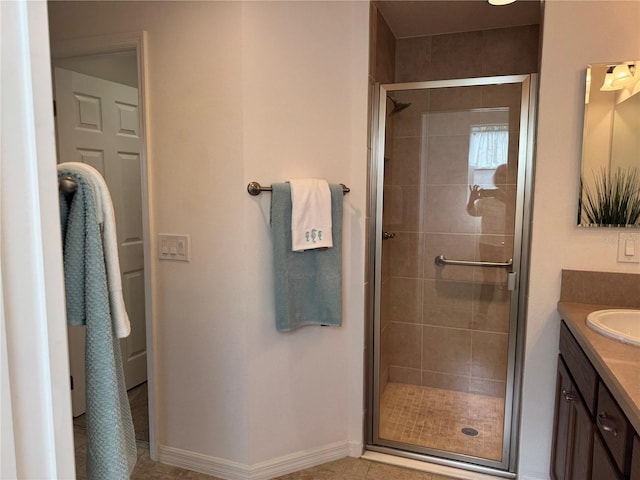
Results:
[501, 2]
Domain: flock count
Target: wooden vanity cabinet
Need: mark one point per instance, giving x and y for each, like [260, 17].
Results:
[615, 430]
[603, 466]
[592, 438]
[573, 431]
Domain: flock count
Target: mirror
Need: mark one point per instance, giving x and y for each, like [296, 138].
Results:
[610, 176]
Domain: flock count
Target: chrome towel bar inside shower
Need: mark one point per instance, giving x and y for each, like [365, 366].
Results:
[254, 188]
[441, 261]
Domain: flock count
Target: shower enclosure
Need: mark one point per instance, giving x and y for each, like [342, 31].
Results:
[450, 186]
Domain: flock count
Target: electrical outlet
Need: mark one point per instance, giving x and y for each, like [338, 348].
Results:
[173, 247]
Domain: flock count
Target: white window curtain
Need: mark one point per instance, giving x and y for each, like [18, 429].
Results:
[488, 146]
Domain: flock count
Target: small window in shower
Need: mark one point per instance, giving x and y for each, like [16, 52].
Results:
[488, 148]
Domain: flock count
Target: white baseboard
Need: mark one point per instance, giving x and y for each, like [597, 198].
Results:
[218, 467]
[276, 467]
[356, 449]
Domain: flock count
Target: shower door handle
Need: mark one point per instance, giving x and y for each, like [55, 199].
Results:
[441, 261]
[388, 235]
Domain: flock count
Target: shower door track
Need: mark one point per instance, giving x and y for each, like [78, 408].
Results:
[507, 466]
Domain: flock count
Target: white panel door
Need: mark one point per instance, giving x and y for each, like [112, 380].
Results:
[98, 124]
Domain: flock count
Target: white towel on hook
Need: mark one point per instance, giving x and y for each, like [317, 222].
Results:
[310, 214]
[105, 213]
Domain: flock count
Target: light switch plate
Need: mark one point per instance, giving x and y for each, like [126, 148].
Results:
[628, 248]
[174, 247]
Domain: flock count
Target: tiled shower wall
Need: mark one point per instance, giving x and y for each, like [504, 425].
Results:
[447, 325]
[445, 328]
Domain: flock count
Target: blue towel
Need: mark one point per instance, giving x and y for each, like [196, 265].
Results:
[308, 285]
[111, 444]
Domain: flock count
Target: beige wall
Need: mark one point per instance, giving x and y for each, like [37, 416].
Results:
[575, 34]
[242, 91]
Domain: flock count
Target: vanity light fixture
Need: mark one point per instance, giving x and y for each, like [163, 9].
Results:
[622, 75]
[618, 77]
[501, 2]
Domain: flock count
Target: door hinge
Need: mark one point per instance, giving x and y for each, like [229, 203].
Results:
[511, 281]
[55, 110]
[71, 382]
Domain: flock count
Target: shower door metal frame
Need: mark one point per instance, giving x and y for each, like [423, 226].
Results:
[506, 467]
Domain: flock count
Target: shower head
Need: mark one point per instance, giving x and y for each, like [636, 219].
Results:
[397, 106]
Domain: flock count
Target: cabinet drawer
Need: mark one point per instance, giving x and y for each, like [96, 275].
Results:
[580, 367]
[615, 429]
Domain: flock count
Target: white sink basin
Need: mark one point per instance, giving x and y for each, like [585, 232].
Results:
[621, 325]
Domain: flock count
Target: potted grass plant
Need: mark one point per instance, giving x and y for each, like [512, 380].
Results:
[613, 199]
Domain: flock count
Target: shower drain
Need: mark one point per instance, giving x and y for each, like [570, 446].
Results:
[472, 432]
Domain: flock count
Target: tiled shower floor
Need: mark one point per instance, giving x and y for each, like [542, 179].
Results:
[434, 418]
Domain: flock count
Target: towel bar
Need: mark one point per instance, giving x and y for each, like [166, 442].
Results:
[254, 188]
[441, 261]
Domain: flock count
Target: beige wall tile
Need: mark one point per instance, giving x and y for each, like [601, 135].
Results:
[384, 347]
[412, 376]
[489, 356]
[401, 209]
[446, 350]
[448, 304]
[385, 51]
[453, 246]
[445, 381]
[507, 95]
[509, 51]
[413, 59]
[408, 122]
[504, 51]
[405, 299]
[491, 308]
[482, 386]
[601, 288]
[448, 160]
[405, 345]
[457, 55]
[406, 255]
[455, 98]
[404, 165]
[446, 210]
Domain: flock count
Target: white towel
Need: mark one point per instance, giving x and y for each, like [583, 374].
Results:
[105, 213]
[310, 214]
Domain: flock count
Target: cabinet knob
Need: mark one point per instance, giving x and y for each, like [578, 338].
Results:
[603, 422]
[568, 395]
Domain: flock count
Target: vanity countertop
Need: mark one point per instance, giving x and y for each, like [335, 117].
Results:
[617, 363]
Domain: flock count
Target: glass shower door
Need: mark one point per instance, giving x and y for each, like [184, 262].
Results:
[449, 228]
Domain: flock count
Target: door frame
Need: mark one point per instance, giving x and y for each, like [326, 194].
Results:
[508, 466]
[116, 43]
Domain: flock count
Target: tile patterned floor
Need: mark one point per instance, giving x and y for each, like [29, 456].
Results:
[357, 469]
[146, 469]
[344, 469]
[434, 418]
